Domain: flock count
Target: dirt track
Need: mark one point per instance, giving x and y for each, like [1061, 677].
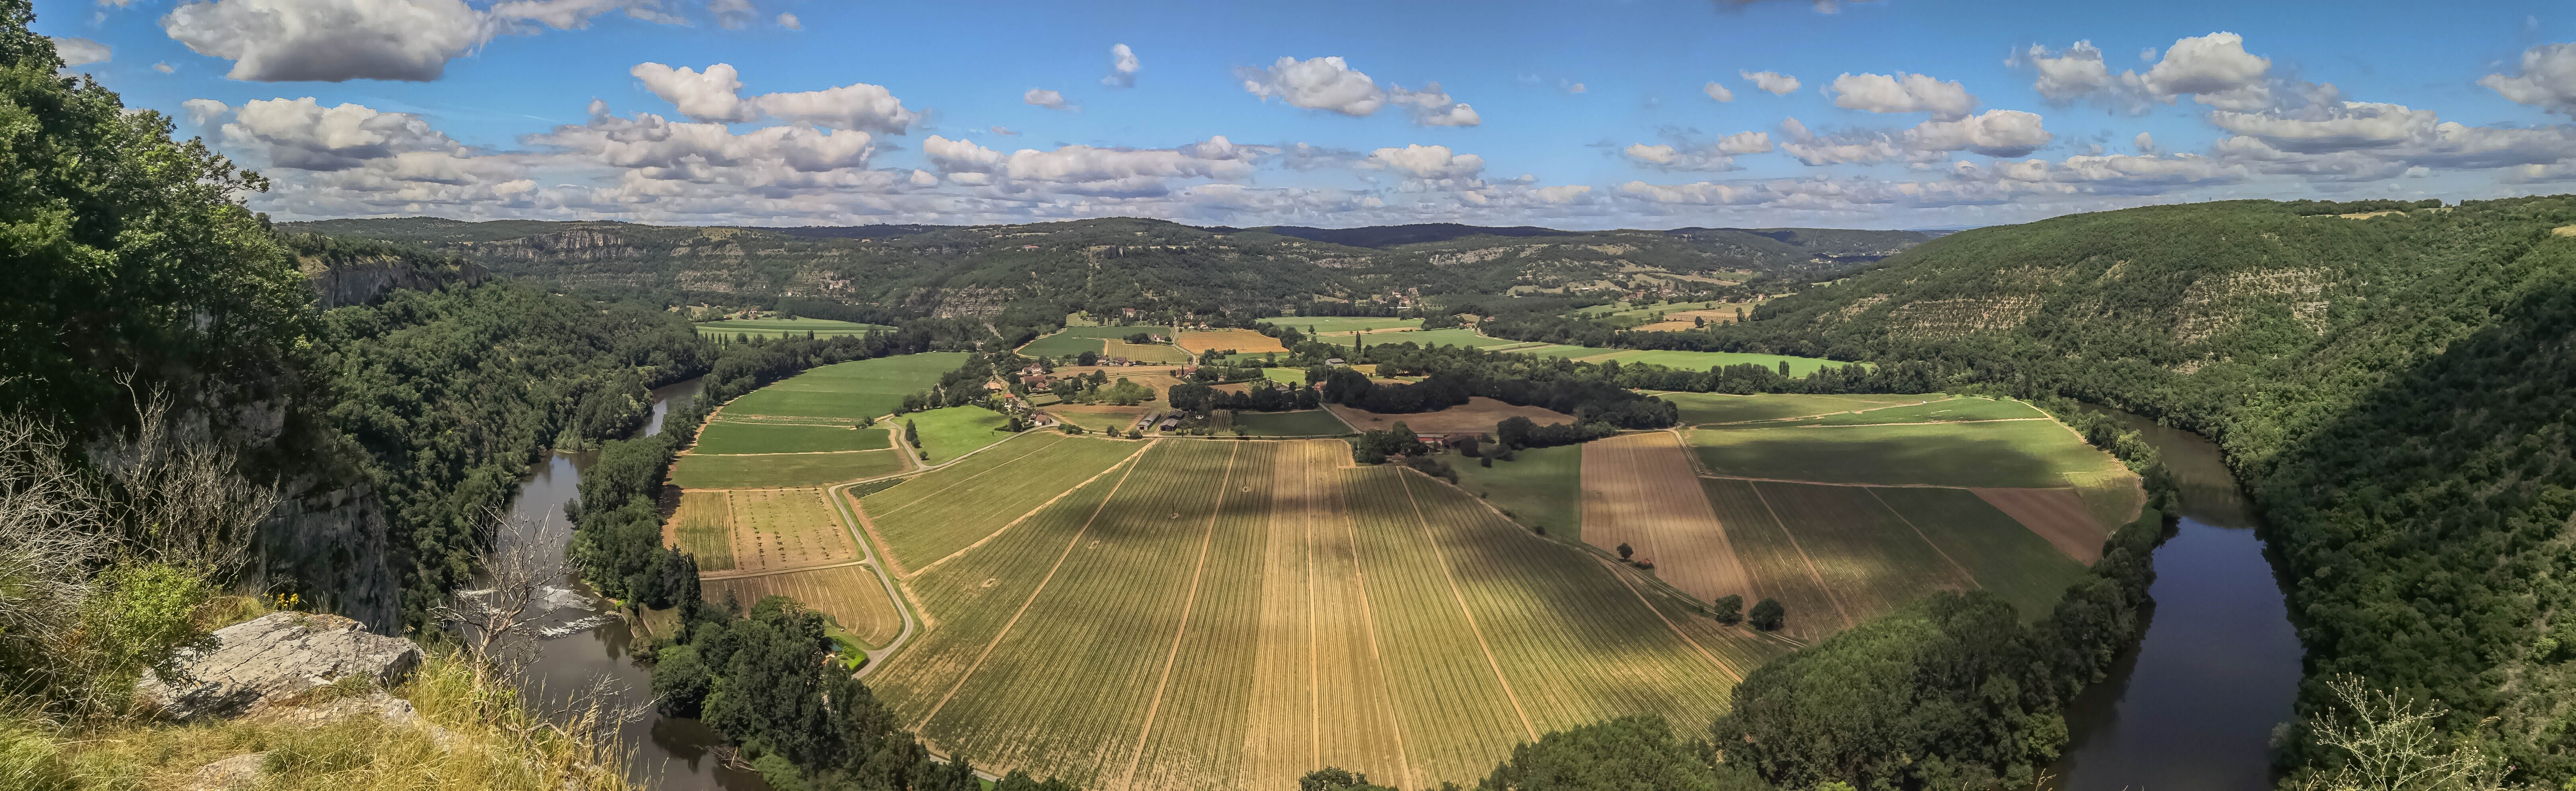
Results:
[1640, 489]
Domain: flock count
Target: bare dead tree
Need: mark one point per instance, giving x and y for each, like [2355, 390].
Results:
[183, 499]
[499, 623]
[2391, 743]
[52, 529]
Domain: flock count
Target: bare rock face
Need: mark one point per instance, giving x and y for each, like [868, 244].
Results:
[276, 657]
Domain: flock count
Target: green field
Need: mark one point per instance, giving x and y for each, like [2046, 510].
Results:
[804, 469]
[1944, 411]
[2003, 556]
[1294, 376]
[856, 389]
[772, 328]
[1699, 408]
[1076, 340]
[1309, 423]
[2032, 453]
[1234, 614]
[1541, 487]
[1325, 325]
[1693, 361]
[1449, 337]
[725, 438]
[940, 512]
[950, 432]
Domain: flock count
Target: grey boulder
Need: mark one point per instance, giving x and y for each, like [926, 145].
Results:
[276, 657]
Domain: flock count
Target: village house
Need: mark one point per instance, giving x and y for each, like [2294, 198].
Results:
[1033, 382]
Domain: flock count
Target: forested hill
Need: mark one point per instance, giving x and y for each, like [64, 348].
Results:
[978, 271]
[2393, 380]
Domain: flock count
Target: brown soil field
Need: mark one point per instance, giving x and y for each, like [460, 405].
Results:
[1245, 341]
[702, 526]
[2055, 514]
[1150, 352]
[850, 594]
[1682, 320]
[776, 529]
[1640, 489]
[1478, 414]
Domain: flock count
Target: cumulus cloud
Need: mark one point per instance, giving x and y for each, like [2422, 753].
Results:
[648, 147]
[2073, 73]
[1777, 83]
[80, 51]
[1717, 92]
[1046, 98]
[1122, 67]
[1669, 158]
[732, 14]
[2214, 70]
[337, 40]
[2364, 141]
[1434, 167]
[2548, 79]
[789, 21]
[2146, 143]
[2352, 125]
[302, 134]
[1745, 143]
[1329, 83]
[1902, 93]
[2215, 66]
[715, 95]
[1994, 133]
[199, 111]
[1088, 170]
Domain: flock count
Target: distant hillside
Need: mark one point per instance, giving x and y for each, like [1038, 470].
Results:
[2393, 380]
[978, 271]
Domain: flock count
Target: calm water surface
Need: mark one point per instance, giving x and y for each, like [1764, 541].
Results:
[669, 754]
[2194, 706]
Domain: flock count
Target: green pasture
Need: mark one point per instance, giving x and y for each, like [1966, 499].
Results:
[726, 438]
[860, 388]
[1309, 423]
[772, 328]
[1321, 325]
[953, 431]
[2032, 453]
[806, 469]
[1540, 487]
[1698, 408]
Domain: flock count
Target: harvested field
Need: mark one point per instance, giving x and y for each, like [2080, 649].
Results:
[727, 438]
[1312, 325]
[1640, 489]
[1704, 408]
[1199, 342]
[694, 471]
[861, 388]
[702, 526]
[2056, 515]
[1234, 614]
[1098, 417]
[943, 511]
[1144, 352]
[1308, 423]
[1479, 414]
[776, 529]
[2018, 454]
[850, 594]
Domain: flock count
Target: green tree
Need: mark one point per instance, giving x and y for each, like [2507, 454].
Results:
[1728, 609]
[1768, 615]
[1625, 551]
[911, 435]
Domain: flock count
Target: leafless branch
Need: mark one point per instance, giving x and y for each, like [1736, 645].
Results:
[499, 623]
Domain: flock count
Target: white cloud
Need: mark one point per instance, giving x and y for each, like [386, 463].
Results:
[199, 111]
[80, 51]
[1669, 158]
[164, 67]
[1003, 131]
[1122, 67]
[1432, 106]
[732, 14]
[1432, 166]
[1745, 143]
[1902, 93]
[336, 40]
[853, 106]
[2214, 69]
[2548, 79]
[1717, 92]
[2213, 64]
[712, 95]
[1047, 99]
[1087, 170]
[1574, 87]
[2352, 125]
[1777, 83]
[2146, 143]
[1994, 133]
[304, 135]
[789, 21]
[2077, 72]
[1325, 83]
[2362, 141]
[1329, 83]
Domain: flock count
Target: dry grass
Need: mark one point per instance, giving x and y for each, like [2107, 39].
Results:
[1639, 489]
[1245, 341]
[1479, 414]
[850, 594]
[485, 737]
[702, 526]
[776, 529]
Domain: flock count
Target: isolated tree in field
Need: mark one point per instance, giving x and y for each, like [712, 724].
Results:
[1768, 615]
[1699, 321]
[1625, 551]
[1087, 358]
[1784, 368]
[911, 434]
[1729, 609]
[1739, 315]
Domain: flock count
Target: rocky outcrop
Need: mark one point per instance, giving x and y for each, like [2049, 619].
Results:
[360, 282]
[333, 545]
[275, 658]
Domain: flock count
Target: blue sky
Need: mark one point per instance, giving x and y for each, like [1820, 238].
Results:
[1907, 113]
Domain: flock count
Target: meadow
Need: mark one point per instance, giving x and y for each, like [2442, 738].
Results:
[1234, 614]
[1307, 423]
[856, 389]
[799, 327]
[2021, 453]
[1692, 361]
[1539, 487]
[722, 438]
[1703, 408]
[949, 432]
[694, 471]
[1942, 411]
[1325, 325]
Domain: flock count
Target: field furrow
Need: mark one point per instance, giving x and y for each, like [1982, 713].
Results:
[1780, 570]
[1872, 560]
[971, 505]
[1639, 489]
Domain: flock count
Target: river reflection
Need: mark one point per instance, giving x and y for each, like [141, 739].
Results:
[2194, 706]
[664, 753]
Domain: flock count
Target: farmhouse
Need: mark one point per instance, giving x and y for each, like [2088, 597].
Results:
[1034, 381]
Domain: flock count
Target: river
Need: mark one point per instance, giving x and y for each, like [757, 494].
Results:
[2194, 706]
[664, 753]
